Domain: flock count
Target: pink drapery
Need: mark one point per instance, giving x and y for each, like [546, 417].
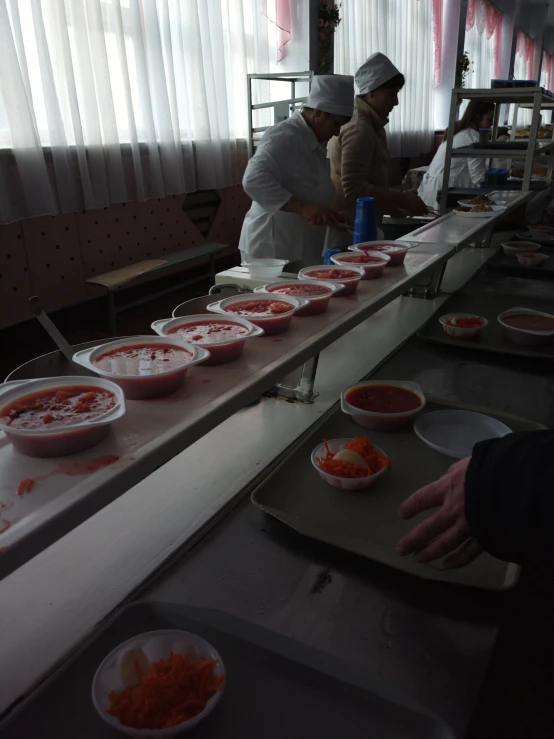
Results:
[282, 19]
[487, 18]
[547, 66]
[437, 37]
[525, 47]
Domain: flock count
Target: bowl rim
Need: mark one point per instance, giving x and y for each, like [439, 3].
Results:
[414, 387]
[403, 246]
[522, 246]
[531, 332]
[369, 478]
[295, 303]
[352, 268]
[170, 730]
[526, 254]
[166, 323]
[333, 287]
[381, 259]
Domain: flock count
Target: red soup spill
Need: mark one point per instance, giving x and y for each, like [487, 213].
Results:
[259, 308]
[383, 399]
[143, 359]
[58, 407]
[210, 332]
[530, 321]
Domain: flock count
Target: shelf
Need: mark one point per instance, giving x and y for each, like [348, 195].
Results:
[155, 431]
[468, 151]
[506, 95]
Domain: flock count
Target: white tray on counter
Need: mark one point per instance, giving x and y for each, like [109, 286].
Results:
[154, 431]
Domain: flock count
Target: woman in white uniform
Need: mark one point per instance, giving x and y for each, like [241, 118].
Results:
[289, 178]
[463, 172]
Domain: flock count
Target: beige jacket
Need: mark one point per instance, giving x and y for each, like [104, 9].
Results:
[359, 158]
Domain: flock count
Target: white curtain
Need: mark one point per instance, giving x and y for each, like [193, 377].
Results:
[523, 66]
[114, 100]
[480, 51]
[403, 30]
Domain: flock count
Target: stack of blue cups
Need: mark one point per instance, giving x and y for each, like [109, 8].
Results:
[365, 227]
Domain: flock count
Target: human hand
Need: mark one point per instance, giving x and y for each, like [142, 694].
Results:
[413, 204]
[316, 215]
[446, 533]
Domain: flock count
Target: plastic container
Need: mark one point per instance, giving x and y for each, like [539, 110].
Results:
[274, 324]
[459, 332]
[485, 135]
[347, 285]
[396, 250]
[265, 269]
[511, 248]
[222, 351]
[143, 386]
[156, 645]
[526, 337]
[530, 259]
[383, 421]
[365, 225]
[68, 439]
[373, 266]
[344, 483]
[495, 177]
[541, 229]
[316, 303]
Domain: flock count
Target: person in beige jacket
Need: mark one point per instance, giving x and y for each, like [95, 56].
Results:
[359, 155]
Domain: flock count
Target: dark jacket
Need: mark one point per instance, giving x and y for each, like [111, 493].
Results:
[510, 497]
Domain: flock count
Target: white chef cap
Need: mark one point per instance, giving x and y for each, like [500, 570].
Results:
[332, 93]
[374, 72]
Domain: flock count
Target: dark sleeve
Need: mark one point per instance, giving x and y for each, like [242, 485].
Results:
[510, 497]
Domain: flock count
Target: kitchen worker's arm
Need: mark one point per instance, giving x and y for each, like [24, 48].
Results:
[501, 500]
[357, 155]
[477, 169]
[262, 183]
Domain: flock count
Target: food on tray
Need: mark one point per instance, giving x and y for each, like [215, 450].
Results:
[524, 133]
[383, 399]
[143, 359]
[483, 208]
[359, 459]
[301, 290]
[461, 209]
[530, 321]
[209, 332]
[333, 274]
[479, 200]
[259, 308]
[172, 691]
[58, 407]
[465, 322]
[537, 170]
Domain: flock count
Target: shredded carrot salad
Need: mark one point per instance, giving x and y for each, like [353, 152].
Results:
[174, 690]
[375, 460]
[469, 322]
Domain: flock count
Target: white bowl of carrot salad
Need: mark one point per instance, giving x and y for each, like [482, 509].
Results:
[158, 684]
[350, 464]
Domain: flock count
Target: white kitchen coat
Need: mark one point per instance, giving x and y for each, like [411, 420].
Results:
[463, 172]
[289, 161]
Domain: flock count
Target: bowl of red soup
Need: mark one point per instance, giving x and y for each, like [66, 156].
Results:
[463, 325]
[57, 416]
[223, 337]
[373, 262]
[143, 366]
[346, 279]
[316, 292]
[527, 326]
[396, 250]
[530, 259]
[382, 405]
[513, 248]
[271, 312]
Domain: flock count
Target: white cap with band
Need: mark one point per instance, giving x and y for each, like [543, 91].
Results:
[374, 72]
[332, 93]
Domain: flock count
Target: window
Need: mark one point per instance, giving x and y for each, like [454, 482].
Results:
[546, 71]
[403, 30]
[523, 70]
[483, 43]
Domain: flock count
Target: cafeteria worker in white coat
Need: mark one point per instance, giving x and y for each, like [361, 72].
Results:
[289, 180]
[464, 172]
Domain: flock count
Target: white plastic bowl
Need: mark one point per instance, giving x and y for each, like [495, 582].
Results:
[271, 324]
[372, 269]
[65, 440]
[382, 421]
[344, 483]
[316, 303]
[530, 259]
[265, 269]
[459, 332]
[539, 228]
[396, 250]
[141, 387]
[511, 248]
[525, 336]
[156, 645]
[347, 285]
[220, 352]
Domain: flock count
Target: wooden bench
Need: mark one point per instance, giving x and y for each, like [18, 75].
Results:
[141, 272]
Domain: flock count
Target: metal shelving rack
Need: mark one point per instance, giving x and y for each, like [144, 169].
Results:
[293, 102]
[535, 97]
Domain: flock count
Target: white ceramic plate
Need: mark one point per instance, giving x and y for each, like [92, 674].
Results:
[469, 204]
[470, 214]
[455, 433]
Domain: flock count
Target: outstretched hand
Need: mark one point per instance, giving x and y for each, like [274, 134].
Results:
[446, 533]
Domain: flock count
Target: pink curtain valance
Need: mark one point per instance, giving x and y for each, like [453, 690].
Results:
[487, 18]
[525, 46]
[282, 19]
